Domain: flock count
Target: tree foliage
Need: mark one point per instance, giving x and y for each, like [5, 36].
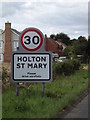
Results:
[53, 36]
[62, 36]
[81, 45]
[88, 46]
[78, 47]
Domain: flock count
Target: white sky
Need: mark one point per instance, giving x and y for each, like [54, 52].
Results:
[50, 16]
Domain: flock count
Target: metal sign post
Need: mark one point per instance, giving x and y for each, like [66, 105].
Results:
[17, 89]
[43, 87]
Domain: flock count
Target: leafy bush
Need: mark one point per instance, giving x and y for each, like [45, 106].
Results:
[65, 68]
[57, 69]
[76, 64]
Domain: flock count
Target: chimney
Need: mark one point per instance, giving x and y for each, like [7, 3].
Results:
[46, 44]
[7, 49]
[45, 36]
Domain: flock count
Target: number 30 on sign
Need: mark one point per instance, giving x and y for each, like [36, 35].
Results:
[31, 40]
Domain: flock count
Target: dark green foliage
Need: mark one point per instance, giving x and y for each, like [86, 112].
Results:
[81, 45]
[53, 36]
[57, 69]
[78, 46]
[62, 36]
[88, 47]
[76, 64]
[69, 51]
[65, 68]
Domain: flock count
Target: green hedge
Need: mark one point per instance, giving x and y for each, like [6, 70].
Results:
[65, 68]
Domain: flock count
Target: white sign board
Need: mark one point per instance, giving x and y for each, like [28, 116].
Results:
[31, 67]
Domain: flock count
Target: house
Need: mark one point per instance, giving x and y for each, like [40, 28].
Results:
[9, 41]
[63, 46]
[1, 45]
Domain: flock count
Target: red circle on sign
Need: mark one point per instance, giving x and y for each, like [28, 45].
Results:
[32, 30]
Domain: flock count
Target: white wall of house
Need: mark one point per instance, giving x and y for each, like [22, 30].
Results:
[3, 37]
[15, 40]
[1, 45]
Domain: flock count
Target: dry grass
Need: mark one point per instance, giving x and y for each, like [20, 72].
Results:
[85, 67]
[7, 66]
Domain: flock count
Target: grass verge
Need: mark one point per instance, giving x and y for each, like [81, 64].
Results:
[31, 103]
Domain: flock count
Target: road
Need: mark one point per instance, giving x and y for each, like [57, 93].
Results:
[80, 111]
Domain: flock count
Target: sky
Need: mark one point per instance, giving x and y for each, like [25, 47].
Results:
[50, 16]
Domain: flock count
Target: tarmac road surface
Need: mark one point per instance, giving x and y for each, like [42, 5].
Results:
[80, 111]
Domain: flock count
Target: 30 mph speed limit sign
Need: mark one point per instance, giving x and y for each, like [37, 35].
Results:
[31, 39]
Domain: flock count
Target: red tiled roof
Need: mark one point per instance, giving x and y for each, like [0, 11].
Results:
[51, 45]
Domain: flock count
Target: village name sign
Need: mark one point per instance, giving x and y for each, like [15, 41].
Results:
[31, 63]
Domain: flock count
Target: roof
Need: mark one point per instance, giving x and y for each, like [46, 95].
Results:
[53, 41]
[14, 30]
[1, 31]
[51, 45]
[61, 43]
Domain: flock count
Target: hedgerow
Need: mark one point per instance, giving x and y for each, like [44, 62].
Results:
[65, 68]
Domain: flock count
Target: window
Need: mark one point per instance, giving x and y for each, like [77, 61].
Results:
[1, 57]
[0, 44]
[15, 44]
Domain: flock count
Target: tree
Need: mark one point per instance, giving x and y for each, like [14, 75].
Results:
[88, 49]
[81, 45]
[69, 51]
[53, 36]
[64, 37]
[78, 46]
[73, 41]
